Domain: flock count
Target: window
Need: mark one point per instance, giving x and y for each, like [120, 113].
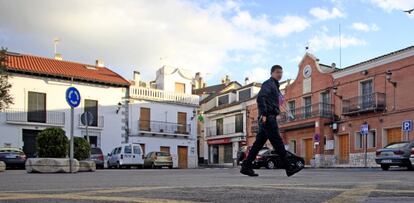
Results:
[144, 119]
[371, 140]
[324, 106]
[292, 107]
[118, 150]
[179, 87]
[219, 126]
[223, 100]
[292, 146]
[36, 107]
[244, 94]
[128, 149]
[366, 94]
[137, 150]
[92, 107]
[239, 123]
[307, 107]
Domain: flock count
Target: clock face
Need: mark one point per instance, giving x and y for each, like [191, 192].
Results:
[307, 71]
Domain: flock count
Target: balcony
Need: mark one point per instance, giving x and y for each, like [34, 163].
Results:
[363, 104]
[46, 118]
[163, 128]
[306, 112]
[97, 123]
[163, 96]
[228, 129]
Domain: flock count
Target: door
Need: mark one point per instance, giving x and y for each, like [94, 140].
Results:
[137, 154]
[92, 107]
[36, 107]
[144, 119]
[29, 142]
[215, 155]
[308, 150]
[343, 149]
[165, 149]
[182, 122]
[394, 135]
[182, 157]
[179, 87]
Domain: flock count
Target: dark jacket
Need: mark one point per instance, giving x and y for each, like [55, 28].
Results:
[268, 98]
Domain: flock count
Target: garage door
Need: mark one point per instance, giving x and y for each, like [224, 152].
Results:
[394, 135]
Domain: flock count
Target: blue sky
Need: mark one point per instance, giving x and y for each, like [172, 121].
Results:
[238, 38]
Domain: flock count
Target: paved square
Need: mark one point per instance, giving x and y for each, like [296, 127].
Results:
[209, 185]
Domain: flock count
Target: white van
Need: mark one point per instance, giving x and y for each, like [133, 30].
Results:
[126, 155]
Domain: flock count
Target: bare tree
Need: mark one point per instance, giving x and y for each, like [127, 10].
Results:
[5, 97]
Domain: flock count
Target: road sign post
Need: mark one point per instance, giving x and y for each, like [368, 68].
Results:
[364, 132]
[87, 120]
[407, 127]
[73, 98]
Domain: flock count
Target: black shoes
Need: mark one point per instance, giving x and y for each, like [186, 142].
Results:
[294, 168]
[246, 169]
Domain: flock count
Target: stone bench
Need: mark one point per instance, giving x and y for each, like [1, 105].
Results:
[50, 165]
[2, 166]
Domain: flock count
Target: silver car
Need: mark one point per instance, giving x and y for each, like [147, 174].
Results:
[396, 154]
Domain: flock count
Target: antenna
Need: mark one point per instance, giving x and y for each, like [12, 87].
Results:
[56, 41]
[340, 46]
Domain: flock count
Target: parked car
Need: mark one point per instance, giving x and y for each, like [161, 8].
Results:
[158, 160]
[269, 159]
[98, 157]
[13, 157]
[126, 155]
[396, 154]
[244, 151]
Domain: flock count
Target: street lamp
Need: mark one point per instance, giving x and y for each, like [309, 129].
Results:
[388, 76]
[335, 92]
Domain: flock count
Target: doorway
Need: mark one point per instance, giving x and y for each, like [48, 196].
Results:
[182, 157]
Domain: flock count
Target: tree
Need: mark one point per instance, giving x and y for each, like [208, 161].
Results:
[5, 97]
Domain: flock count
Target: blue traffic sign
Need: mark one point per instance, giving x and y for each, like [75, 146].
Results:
[73, 97]
[407, 126]
[364, 129]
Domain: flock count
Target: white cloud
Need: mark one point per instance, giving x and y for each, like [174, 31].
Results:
[261, 25]
[130, 35]
[326, 42]
[365, 27]
[391, 5]
[258, 74]
[325, 14]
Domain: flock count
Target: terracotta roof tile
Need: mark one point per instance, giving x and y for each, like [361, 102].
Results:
[65, 69]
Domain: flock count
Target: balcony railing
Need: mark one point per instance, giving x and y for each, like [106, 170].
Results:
[365, 103]
[97, 122]
[228, 129]
[160, 127]
[38, 117]
[311, 111]
[161, 95]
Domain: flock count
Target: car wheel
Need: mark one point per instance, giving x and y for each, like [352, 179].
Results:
[118, 166]
[410, 167]
[385, 167]
[153, 166]
[271, 164]
[108, 165]
[170, 167]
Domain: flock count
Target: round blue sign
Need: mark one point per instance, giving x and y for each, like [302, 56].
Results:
[73, 97]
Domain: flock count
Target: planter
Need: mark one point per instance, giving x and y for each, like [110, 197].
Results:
[2, 166]
[50, 165]
[87, 166]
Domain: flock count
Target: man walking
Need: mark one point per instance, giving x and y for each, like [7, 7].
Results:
[268, 105]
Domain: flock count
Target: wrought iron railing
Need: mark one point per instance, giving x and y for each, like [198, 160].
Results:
[227, 129]
[163, 127]
[310, 111]
[365, 103]
[44, 117]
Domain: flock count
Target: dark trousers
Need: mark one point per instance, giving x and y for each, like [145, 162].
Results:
[267, 131]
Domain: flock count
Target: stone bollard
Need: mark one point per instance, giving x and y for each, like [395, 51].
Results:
[87, 166]
[2, 166]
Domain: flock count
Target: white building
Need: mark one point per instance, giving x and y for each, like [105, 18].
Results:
[225, 123]
[162, 115]
[38, 89]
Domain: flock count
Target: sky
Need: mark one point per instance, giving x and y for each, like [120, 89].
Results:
[233, 37]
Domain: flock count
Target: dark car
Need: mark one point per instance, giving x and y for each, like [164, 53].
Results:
[395, 154]
[98, 157]
[271, 160]
[13, 157]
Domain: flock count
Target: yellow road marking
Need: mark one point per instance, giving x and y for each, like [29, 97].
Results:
[356, 194]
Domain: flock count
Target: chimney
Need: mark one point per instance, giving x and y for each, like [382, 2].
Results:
[99, 63]
[137, 78]
[225, 80]
[198, 81]
[58, 56]
[246, 80]
[333, 65]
